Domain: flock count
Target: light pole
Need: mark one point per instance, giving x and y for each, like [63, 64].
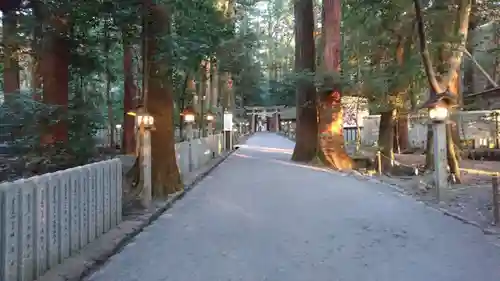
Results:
[277, 121]
[438, 116]
[144, 123]
[189, 118]
[118, 134]
[210, 119]
[495, 116]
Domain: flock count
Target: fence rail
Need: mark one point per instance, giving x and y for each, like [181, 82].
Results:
[47, 218]
[193, 154]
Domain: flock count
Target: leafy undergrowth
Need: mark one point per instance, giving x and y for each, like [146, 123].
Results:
[25, 166]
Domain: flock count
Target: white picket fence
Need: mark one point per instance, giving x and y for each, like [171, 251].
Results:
[191, 155]
[47, 218]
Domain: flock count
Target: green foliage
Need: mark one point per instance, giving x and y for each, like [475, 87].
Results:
[22, 117]
[283, 92]
[96, 32]
[198, 31]
[1, 77]
[370, 60]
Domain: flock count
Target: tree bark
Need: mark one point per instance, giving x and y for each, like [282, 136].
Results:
[214, 82]
[10, 62]
[390, 127]
[203, 96]
[386, 138]
[160, 104]
[109, 94]
[447, 80]
[469, 70]
[128, 141]
[36, 77]
[54, 66]
[402, 132]
[331, 126]
[306, 142]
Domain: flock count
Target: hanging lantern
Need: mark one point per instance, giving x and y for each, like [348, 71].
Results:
[210, 116]
[188, 114]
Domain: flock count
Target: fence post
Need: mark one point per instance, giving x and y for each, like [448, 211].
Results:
[496, 203]
[379, 162]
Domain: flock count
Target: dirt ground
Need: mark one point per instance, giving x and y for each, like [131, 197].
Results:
[472, 199]
[467, 178]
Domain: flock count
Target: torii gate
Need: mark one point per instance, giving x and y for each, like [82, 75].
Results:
[265, 111]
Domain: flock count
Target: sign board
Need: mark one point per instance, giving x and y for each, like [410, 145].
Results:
[228, 121]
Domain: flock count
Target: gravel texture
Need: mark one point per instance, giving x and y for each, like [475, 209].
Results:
[259, 216]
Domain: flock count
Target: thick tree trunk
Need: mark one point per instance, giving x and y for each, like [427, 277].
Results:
[331, 125]
[469, 70]
[55, 72]
[203, 97]
[214, 82]
[306, 140]
[182, 105]
[36, 46]
[429, 149]
[10, 61]
[160, 104]
[331, 139]
[452, 134]
[401, 133]
[128, 141]
[109, 94]
[227, 91]
[386, 138]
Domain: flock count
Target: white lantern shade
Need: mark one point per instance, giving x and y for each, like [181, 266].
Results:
[189, 118]
[145, 119]
[228, 121]
[438, 114]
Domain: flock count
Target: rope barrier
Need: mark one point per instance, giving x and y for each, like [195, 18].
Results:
[395, 162]
[494, 182]
[470, 171]
[480, 172]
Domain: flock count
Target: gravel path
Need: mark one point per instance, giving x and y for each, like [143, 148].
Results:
[259, 216]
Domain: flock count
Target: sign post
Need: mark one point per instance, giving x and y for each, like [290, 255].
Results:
[228, 130]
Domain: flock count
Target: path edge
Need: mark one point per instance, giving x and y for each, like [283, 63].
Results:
[485, 230]
[360, 176]
[94, 255]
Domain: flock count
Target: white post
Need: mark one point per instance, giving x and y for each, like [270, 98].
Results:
[228, 130]
[440, 154]
[252, 121]
[189, 132]
[146, 167]
[210, 128]
[277, 121]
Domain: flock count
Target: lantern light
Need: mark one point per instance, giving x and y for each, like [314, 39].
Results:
[438, 114]
[145, 119]
[210, 117]
[188, 115]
